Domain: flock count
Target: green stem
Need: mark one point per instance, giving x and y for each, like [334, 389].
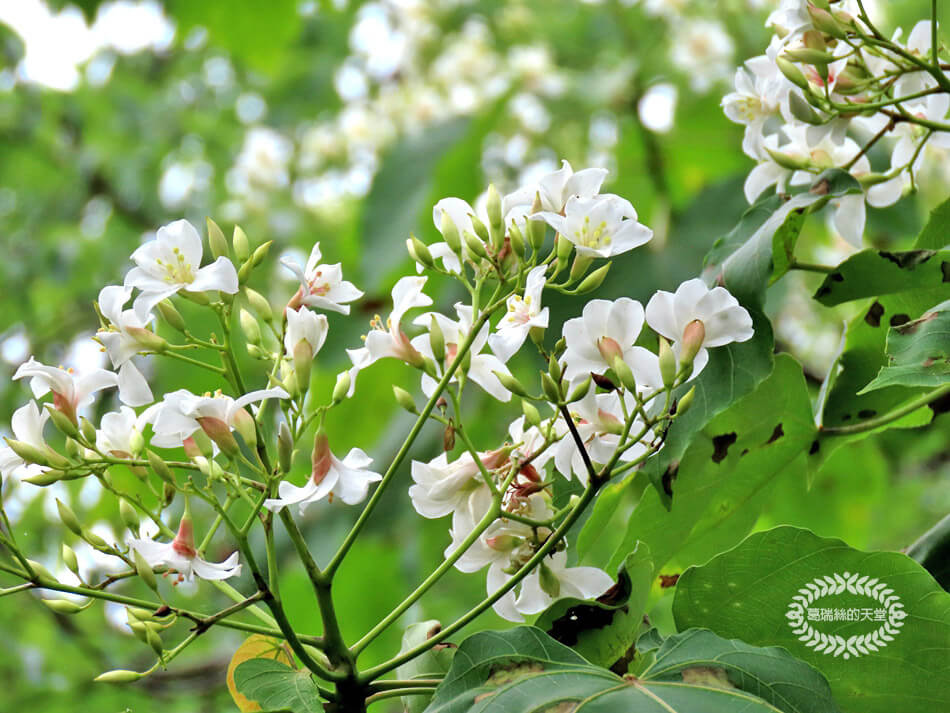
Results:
[414, 691]
[194, 362]
[810, 267]
[890, 416]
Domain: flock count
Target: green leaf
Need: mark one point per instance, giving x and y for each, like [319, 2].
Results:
[935, 232]
[918, 352]
[759, 250]
[769, 589]
[602, 631]
[434, 663]
[522, 669]
[276, 685]
[722, 481]
[932, 550]
[773, 673]
[870, 273]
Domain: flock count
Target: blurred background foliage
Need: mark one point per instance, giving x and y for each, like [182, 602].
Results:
[343, 122]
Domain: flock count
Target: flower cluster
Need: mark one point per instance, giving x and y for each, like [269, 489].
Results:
[828, 80]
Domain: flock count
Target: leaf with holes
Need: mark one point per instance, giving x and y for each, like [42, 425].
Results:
[276, 685]
[918, 352]
[602, 631]
[876, 624]
[696, 672]
[722, 480]
[871, 273]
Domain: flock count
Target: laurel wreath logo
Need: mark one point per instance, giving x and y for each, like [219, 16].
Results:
[833, 644]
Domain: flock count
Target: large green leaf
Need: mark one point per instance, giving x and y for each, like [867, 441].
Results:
[276, 685]
[918, 352]
[602, 631]
[722, 481]
[870, 273]
[523, 670]
[876, 624]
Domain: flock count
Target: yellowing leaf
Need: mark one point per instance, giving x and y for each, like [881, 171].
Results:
[256, 646]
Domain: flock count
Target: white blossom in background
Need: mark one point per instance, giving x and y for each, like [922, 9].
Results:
[603, 226]
[71, 392]
[702, 316]
[523, 314]
[27, 424]
[482, 367]
[702, 50]
[388, 340]
[347, 479]
[322, 286]
[172, 262]
[181, 556]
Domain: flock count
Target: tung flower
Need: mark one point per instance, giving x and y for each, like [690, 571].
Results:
[70, 392]
[523, 315]
[181, 556]
[321, 286]
[602, 226]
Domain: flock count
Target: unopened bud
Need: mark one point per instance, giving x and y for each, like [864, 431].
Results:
[93, 539]
[479, 227]
[419, 251]
[62, 606]
[531, 415]
[159, 467]
[56, 459]
[40, 570]
[791, 72]
[259, 304]
[549, 582]
[503, 543]
[257, 257]
[47, 477]
[516, 239]
[579, 266]
[450, 232]
[68, 517]
[593, 280]
[136, 441]
[625, 374]
[171, 315]
[219, 432]
[28, 452]
[242, 246]
[609, 349]
[448, 437]
[667, 363]
[252, 331]
[564, 247]
[245, 425]
[580, 391]
[303, 361]
[554, 368]
[154, 640]
[285, 447]
[475, 246]
[693, 337]
[70, 560]
[216, 240]
[536, 228]
[825, 22]
[510, 383]
[64, 424]
[129, 516]
[436, 340]
[72, 448]
[87, 429]
[496, 225]
[119, 676]
[404, 399]
[144, 570]
[342, 386]
[684, 403]
[550, 388]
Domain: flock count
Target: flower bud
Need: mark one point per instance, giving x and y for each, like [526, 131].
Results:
[693, 337]
[437, 340]
[28, 452]
[531, 415]
[119, 676]
[171, 315]
[259, 304]
[159, 467]
[144, 570]
[219, 432]
[63, 423]
[62, 606]
[625, 374]
[536, 228]
[419, 251]
[72, 448]
[450, 233]
[93, 539]
[609, 349]
[129, 516]
[503, 543]
[68, 517]
[39, 570]
[303, 360]
[479, 227]
[448, 437]
[516, 239]
[257, 257]
[242, 246]
[321, 458]
[87, 429]
[579, 266]
[154, 640]
[580, 391]
[684, 403]
[56, 460]
[342, 386]
[216, 240]
[252, 331]
[475, 246]
[791, 72]
[564, 247]
[550, 388]
[47, 477]
[69, 559]
[554, 369]
[549, 582]
[510, 383]
[593, 280]
[667, 363]
[496, 224]
[825, 22]
[285, 447]
[404, 399]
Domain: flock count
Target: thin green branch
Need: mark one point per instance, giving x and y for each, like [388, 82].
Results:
[888, 417]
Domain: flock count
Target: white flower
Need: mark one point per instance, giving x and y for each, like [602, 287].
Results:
[481, 367]
[120, 433]
[348, 479]
[555, 189]
[441, 487]
[130, 336]
[721, 319]
[322, 286]
[530, 441]
[603, 226]
[553, 580]
[389, 340]
[172, 262]
[180, 413]
[703, 51]
[70, 392]
[181, 556]
[27, 424]
[599, 420]
[524, 314]
[607, 330]
[304, 326]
